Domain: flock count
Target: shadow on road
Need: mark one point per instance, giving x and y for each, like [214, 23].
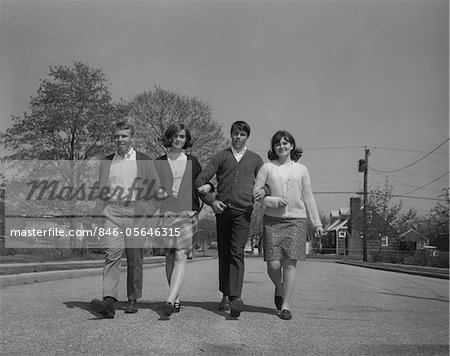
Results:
[156, 307]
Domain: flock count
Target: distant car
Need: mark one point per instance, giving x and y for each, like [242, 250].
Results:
[432, 250]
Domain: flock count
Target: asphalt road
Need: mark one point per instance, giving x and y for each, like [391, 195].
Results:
[338, 310]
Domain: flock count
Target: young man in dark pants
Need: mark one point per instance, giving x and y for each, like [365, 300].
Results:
[235, 169]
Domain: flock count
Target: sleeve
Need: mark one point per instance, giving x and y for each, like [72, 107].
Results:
[261, 183]
[205, 176]
[309, 200]
[197, 169]
[101, 186]
[154, 184]
[265, 187]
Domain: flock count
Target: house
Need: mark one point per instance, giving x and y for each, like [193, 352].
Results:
[411, 240]
[335, 233]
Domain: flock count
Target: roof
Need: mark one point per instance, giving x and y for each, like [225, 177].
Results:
[412, 235]
[336, 225]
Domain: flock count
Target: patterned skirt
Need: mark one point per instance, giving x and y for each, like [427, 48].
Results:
[177, 231]
[284, 238]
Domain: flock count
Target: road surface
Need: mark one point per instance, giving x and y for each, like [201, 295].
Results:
[338, 310]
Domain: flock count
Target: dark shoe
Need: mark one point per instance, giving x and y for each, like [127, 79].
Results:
[131, 307]
[106, 310]
[237, 305]
[176, 307]
[168, 309]
[285, 314]
[224, 304]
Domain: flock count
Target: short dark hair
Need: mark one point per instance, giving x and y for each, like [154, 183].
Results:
[296, 152]
[240, 126]
[173, 129]
[123, 125]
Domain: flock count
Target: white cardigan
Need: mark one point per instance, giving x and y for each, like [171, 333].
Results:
[296, 188]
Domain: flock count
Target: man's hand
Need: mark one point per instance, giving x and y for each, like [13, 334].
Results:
[259, 194]
[218, 206]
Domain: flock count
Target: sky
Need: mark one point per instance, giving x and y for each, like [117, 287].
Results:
[341, 76]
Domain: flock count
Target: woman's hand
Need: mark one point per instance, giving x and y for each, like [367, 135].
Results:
[282, 203]
[318, 231]
[204, 189]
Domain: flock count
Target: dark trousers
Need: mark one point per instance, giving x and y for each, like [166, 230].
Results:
[232, 234]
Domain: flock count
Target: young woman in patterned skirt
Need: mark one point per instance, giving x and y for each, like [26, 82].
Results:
[284, 236]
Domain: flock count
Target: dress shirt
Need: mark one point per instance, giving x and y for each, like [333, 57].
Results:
[238, 155]
[122, 174]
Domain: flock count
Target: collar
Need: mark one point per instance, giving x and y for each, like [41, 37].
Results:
[130, 155]
[236, 153]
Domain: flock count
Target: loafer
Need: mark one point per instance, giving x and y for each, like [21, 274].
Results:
[131, 307]
[167, 309]
[236, 306]
[285, 314]
[101, 308]
[224, 304]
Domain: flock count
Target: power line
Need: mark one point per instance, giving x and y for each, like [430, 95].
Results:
[330, 148]
[406, 184]
[316, 193]
[412, 164]
[422, 186]
[412, 197]
[404, 150]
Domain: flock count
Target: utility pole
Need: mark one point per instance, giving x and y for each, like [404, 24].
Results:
[364, 167]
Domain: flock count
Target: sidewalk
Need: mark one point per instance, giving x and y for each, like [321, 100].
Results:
[12, 274]
[434, 272]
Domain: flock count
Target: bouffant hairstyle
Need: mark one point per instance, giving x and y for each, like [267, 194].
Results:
[240, 126]
[296, 152]
[172, 130]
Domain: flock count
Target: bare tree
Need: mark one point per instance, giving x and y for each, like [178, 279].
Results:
[155, 110]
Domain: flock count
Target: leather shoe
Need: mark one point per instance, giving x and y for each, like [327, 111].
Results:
[224, 304]
[131, 307]
[167, 309]
[285, 314]
[237, 305]
[106, 310]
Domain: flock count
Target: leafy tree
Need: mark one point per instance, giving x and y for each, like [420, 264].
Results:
[155, 110]
[69, 119]
[392, 215]
[437, 223]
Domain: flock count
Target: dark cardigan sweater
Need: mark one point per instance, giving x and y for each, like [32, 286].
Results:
[187, 198]
[235, 179]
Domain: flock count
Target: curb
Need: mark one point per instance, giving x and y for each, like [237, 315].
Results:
[414, 270]
[39, 277]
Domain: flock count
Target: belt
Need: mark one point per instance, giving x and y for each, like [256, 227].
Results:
[122, 203]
